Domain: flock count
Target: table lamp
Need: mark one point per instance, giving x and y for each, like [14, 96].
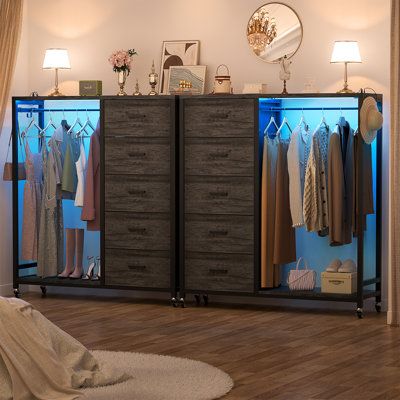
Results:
[346, 51]
[56, 59]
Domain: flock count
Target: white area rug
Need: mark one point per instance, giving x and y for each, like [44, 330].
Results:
[158, 377]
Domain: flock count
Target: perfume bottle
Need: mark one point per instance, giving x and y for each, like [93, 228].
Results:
[153, 79]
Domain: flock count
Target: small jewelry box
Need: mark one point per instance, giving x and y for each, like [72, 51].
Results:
[90, 88]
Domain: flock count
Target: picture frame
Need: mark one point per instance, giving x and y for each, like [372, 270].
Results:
[177, 53]
[195, 74]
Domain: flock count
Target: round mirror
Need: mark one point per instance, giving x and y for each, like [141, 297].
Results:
[274, 31]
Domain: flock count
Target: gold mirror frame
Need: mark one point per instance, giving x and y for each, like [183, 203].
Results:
[277, 60]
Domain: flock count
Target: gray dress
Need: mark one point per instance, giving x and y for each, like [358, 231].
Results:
[51, 239]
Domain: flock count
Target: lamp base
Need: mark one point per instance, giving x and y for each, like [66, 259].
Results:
[56, 93]
[345, 90]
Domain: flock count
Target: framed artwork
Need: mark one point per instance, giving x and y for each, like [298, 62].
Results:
[195, 75]
[177, 53]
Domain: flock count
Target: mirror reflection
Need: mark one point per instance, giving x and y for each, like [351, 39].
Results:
[274, 31]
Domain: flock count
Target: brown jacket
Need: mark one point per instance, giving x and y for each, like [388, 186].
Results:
[91, 199]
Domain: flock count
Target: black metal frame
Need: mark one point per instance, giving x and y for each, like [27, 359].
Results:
[361, 293]
[178, 209]
[53, 281]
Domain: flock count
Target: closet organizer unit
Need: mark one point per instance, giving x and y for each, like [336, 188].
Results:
[221, 151]
[135, 237]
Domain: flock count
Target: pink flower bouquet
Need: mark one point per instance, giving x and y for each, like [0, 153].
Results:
[121, 60]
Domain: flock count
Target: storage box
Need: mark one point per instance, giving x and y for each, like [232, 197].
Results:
[90, 88]
[339, 282]
[251, 88]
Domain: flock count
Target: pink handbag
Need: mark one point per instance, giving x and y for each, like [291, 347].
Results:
[7, 171]
[301, 279]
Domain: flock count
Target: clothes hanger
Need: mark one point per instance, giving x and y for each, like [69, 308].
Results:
[49, 124]
[271, 122]
[285, 122]
[323, 121]
[86, 123]
[32, 124]
[303, 121]
[75, 123]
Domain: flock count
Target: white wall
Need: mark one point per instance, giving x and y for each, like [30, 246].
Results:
[92, 29]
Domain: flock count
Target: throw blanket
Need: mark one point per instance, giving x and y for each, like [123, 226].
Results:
[39, 361]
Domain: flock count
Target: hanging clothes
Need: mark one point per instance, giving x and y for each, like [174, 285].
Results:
[298, 152]
[91, 201]
[69, 175]
[268, 202]
[315, 199]
[32, 204]
[81, 168]
[341, 184]
[51, 233]
[367, 184]
[284, 237]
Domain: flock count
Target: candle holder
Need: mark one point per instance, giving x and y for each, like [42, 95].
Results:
[153, 79]
[137, 90]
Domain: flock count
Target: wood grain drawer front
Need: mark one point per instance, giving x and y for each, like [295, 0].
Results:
[137, 193]
[140, 118]
[220, 157]
[137, 268]
[219, 272]
[219, 117]
[137, 231]
[219, 234]
[219, 195]
[137, 156]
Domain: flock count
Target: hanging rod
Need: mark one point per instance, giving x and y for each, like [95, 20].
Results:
[28, 110]
[308, 108]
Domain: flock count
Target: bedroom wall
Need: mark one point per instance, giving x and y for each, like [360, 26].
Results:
[92, 29]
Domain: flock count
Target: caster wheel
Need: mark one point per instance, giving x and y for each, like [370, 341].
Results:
[174, 302]
[17, 293]
[378, 307]
[182, 302]
[360, 313]
[205, 299]
[198, 300]
[44, 290]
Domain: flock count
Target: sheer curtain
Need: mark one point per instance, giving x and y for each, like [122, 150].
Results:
[10, 30]
[394, 285]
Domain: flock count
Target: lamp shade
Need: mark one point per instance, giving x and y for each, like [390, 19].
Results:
[346, 51]
[56, 58]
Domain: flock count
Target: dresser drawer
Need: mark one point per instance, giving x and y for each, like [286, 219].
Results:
[219, 195]
[137, 268]
[137, 231]
[140, 118]
[219, 234]
[137, 156]
[219, 272]
[137, 193]
[219, 157]
[222, 117]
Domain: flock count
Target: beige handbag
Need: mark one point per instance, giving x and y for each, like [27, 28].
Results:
[222, 83]
[8, 166]
[301, 279]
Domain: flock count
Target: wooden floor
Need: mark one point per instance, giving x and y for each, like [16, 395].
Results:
[271, 353]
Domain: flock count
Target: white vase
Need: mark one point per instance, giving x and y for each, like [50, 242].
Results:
[121, 82]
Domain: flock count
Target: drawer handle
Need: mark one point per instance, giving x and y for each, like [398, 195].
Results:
[137, 192]
[140, 231]
[137, 154]
[220, 115]
[217, 271]
[137, 267]
[216, 233]
[220, 154]
[219, 194]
